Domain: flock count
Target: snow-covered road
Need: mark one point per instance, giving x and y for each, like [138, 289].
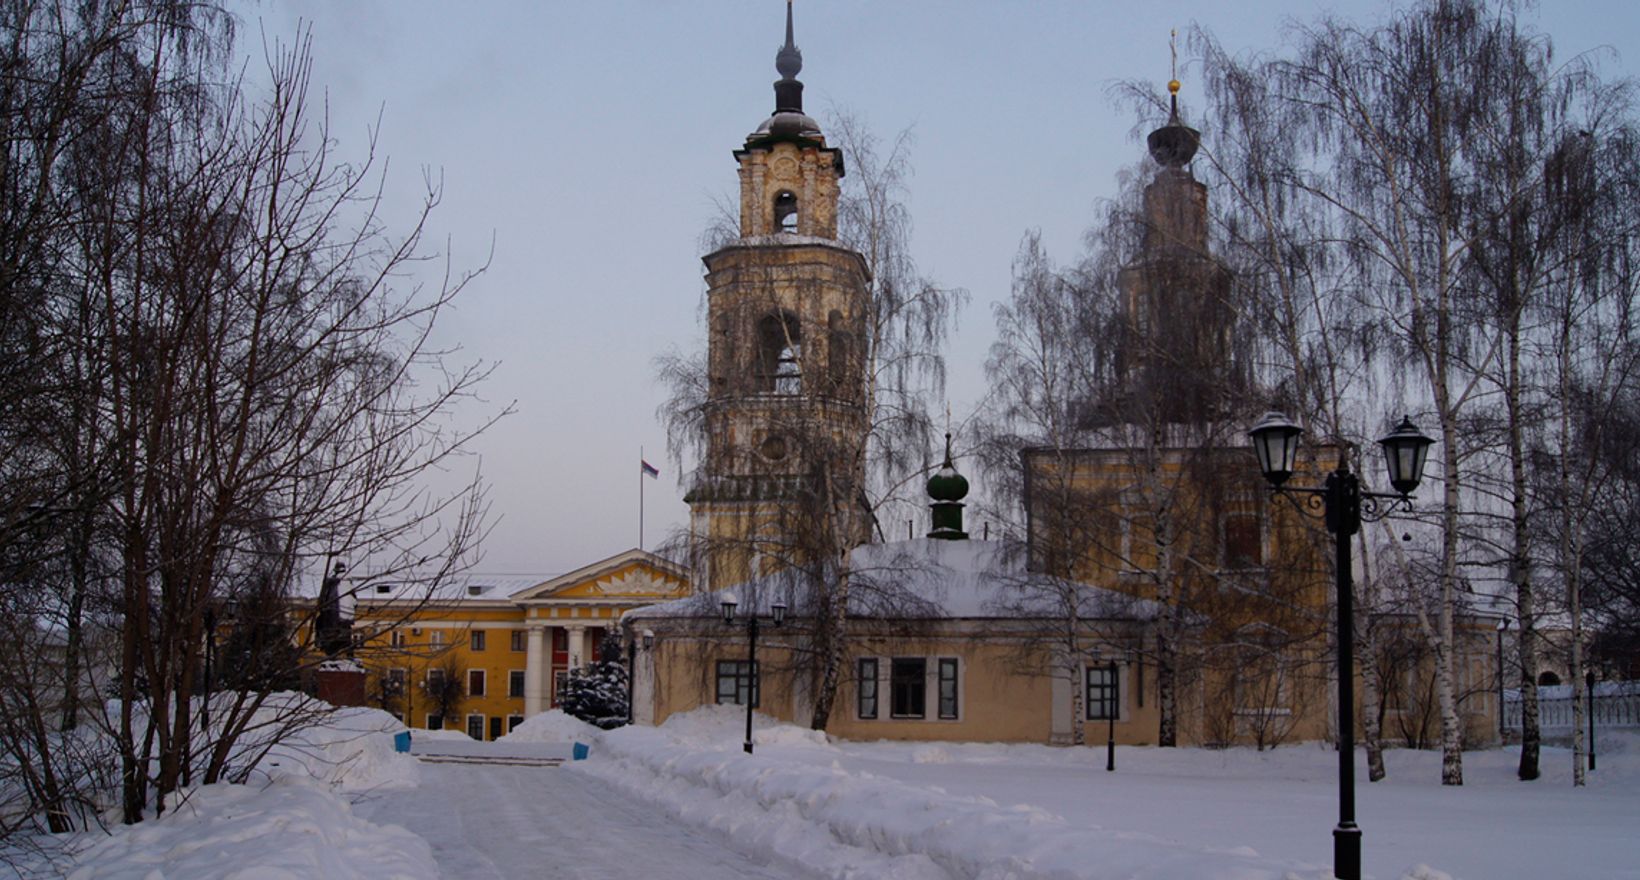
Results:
[498, 822]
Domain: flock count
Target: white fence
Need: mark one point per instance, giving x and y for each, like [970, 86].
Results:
[1615, 704]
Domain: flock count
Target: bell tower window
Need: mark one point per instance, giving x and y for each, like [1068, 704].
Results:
[839, 356]
[785, 211]
[780, 354]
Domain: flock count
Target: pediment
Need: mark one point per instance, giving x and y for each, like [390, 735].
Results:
[635, 575]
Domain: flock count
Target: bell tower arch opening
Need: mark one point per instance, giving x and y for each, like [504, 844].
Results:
[780, 354]
[785, 212]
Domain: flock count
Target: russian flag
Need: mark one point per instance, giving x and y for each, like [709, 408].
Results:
[650, 470]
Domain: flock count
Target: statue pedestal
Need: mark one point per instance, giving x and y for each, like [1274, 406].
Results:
[340, 683]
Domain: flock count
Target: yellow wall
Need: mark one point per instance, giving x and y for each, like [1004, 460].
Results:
[998, 700]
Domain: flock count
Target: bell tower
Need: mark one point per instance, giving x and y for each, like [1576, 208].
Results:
[785, 400]
[1175, 363]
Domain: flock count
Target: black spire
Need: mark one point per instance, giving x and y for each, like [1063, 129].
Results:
[788, 92]
[1174, 144]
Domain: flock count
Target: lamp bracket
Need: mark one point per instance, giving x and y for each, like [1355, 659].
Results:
[1344, 505]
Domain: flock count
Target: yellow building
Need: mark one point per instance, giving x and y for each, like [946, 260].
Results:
[495, 650]
[947, 639]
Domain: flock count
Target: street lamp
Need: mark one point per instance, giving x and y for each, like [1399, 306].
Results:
[1503, 627]
[728, 604]
[1341, 499]
[1111, 709]
[1588, 678]
[648, 641]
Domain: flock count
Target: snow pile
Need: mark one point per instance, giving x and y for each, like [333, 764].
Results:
[724, 726]
[290, 828]
[350, 749]
[832, 823]
[552, 726]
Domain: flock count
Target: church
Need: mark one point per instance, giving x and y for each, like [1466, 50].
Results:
[1160, 592]
[1161, 595]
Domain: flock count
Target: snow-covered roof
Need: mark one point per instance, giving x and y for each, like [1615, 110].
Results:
[468, 587]
[928, 579]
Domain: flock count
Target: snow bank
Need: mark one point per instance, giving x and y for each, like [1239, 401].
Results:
[828, 822]
[290, 828]
[552, 726]
[350, 749]
[724, 726]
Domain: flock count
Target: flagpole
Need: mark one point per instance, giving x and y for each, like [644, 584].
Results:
[641, 475]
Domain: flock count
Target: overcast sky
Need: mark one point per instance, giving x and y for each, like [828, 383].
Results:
[591, 142]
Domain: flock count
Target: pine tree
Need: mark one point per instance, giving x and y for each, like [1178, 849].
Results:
[597, 693]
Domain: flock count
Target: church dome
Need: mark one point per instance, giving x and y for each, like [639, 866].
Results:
[789, 123]
[1174, 144]
[947, 484]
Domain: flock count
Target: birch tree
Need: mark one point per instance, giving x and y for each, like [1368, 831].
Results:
[238, 389]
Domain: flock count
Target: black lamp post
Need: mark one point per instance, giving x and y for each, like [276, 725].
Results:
[1589, 680]
[210, 671]
[1344, 506]
[631, 670]
[1503, 627]
[728, 603]
[648, 640]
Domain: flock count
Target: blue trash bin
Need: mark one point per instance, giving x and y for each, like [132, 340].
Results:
[401, 741]
[581, 751]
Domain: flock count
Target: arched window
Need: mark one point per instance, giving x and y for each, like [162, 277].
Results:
[1548, 679]
[839, 353]
[780, 354]
[785, 211]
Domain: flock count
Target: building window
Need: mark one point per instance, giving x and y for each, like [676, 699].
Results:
[908, 687]
[866, 686]
[396, 638]
[394, 686]
[559, 680]
[1243, 541]
[513, 721]
[518, 641]
[475, 640]
[515, 683]
[475, 726]
[475, 682]
[948, 687]
[435, 637]
[1102, 696]
[736, 679]
[435, 681]
[435, 722]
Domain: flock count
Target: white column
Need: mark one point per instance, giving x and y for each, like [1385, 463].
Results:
[576, 646]
[535, 659]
